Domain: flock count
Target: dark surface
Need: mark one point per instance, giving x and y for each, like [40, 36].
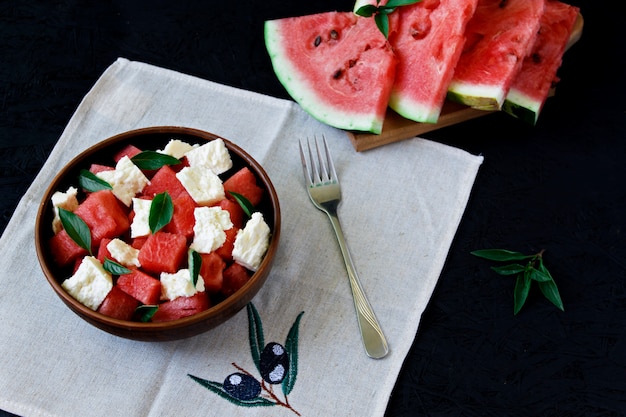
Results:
[558, 186]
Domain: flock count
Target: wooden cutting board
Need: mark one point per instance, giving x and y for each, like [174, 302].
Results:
[397, 128]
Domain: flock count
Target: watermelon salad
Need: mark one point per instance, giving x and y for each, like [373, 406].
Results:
[158, 235]
[343, 71]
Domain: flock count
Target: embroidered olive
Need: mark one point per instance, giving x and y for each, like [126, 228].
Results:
[242, 386]
[274, 363]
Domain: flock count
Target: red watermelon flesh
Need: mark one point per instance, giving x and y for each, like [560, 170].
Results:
[244, 182]
[336, 65]
[163, 252]
[118, 304]
[181, 307]
[499, 36]
[141, 286]
[183, 220]
[104, 215]
[532, 85]
[165, 180]
[211, 271]
[235, 277]
[64, 250]
[428, 39]
[226, 250]
[128, 150]
[234, 209]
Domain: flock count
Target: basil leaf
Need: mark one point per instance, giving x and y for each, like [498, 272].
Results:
[551, 292]
[115, 268]
[367, 11]
[76, 228]
[161, 211]
[151, 160]
[91, 182]
[245, 204]
[195, 262]
[400, 3]
[508, 269]
[522, 288]
[145, 312]
[382, 22]
[500, 255]
[539, 276]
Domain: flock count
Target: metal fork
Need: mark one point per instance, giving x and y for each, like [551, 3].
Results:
[325, 193]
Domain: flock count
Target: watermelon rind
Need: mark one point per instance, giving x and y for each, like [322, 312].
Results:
[307, 96]
[481, 97]
[522, 106]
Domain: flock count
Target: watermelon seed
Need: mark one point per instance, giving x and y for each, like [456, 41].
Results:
[317, 41]
[351, 63]
[337, 74]
[536, 58]
[334, 34]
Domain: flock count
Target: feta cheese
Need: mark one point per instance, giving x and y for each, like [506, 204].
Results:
[202, 184]
[90, 284]
[212, 155]
[126, 180]
[209, 227]
[177, 148]
[140, 225]
[67, 201]
[179, 285]
[123, 253]
[252, 242]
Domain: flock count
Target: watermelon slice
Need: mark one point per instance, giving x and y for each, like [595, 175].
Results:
[428, 39]
[531, 87]
[336, 65]
[499, 36]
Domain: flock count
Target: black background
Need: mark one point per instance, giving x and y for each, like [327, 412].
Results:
[558, 186]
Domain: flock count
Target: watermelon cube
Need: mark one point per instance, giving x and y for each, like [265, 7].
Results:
[165, 180]
[244, 182]
[128, 150]
[103, 251]
[118, 304]
[95, 168]
[235, 277]
[234, 209]
[226, 250]
[64, 250]
[182, 307]
[163, 252]
[211, 271]
[183, 219]
[104, 215]
[141, 286]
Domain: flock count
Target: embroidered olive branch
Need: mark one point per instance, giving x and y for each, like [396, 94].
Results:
[533, 270]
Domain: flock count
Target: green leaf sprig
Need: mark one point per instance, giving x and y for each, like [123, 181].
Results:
[381, 12]
[91, 182]
[115, 268]
[151, 160]
[161, 211]
[195, 263]
[76, 228]
[532, 270]
[245, 204]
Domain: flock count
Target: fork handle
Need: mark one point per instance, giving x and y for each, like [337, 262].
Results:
[371, 333]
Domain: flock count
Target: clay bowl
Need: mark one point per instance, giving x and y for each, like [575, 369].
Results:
[152, 139]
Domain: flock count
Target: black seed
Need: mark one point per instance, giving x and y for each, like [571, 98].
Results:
[337, 74]
[242, 386]
[334, 34]
[274, 363]
[351, 63]
[503, 4]
[317, 41]
[536, 58]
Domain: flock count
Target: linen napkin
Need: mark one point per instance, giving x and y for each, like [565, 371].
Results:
[401, 207]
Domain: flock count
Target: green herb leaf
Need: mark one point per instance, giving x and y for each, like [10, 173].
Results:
[539, 276]
[382, 22]
[245, 204]
[255, 334]
[161, 211]
[367, 11]
[151, 160]
[551, 292]
[195, 262]
[115, 268]
[508, 269]
[522, 288]
[91, 182]
[380, 12]
[500, 255]
[145, 312]
[76, 228]
[400, 3]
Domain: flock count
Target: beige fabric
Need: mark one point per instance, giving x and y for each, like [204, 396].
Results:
[402, 206]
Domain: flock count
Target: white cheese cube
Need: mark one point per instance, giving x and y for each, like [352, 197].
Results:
[202, 184]
[90, 284]
[179, 285]
[140, 225]
[212, 155]
[126, 179]
[252, 242]
[123, 253]
[177, 148]
[67, 201]
[209, 227]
